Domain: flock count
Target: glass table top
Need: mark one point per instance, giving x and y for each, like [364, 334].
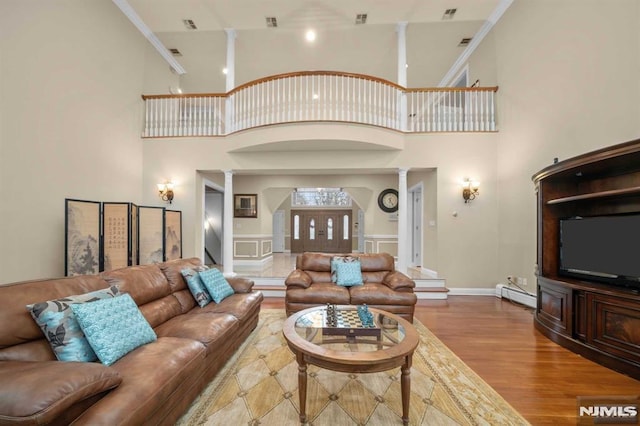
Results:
[344, 329]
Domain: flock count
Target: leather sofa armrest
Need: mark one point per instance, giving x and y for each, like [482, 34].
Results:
[396, 280]
[241, 285]
[40, 392]
[298, 278]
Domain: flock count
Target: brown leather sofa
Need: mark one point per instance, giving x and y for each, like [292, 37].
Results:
[154, 384]
[384, 288]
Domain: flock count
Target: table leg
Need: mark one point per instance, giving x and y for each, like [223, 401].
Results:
[302, 386]
[405, 384]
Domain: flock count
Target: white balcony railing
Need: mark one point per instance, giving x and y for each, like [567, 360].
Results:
[321, 96]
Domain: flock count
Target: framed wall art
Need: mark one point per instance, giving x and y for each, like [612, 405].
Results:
[119, 235]
[82, 243]
[245, 205]
[173, 234]
[150, 235]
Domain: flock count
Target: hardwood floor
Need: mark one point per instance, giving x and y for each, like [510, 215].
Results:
[496, 338]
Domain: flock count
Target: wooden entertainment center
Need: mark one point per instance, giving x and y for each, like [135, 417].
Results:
[596, 320]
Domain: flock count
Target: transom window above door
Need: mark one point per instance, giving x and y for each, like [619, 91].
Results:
[320, 197]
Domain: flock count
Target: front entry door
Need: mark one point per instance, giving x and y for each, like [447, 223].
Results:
[327, 231]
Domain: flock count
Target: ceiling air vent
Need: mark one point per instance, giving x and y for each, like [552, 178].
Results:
[465, 41]
[448, 14]
[175, 52]
[272, 22]
[189, 24]
[361, 18]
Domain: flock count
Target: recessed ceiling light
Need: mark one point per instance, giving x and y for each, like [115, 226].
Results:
[315, 96]
[225, 71]
[310, 35]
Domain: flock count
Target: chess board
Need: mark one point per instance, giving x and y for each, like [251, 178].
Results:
[348, 323]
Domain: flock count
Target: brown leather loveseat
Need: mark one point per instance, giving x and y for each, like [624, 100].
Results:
[153, 384]
[310, 284]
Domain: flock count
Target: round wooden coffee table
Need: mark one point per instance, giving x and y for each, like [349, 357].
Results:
[349, 348]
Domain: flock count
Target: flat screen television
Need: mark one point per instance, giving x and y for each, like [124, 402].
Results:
[601, 248]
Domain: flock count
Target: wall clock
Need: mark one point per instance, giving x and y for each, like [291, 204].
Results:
[388, 200]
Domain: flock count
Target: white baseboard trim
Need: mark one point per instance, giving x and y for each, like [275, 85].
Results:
[471, 292]
[515, 295]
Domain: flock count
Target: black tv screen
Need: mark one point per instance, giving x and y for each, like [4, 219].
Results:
[601, 248]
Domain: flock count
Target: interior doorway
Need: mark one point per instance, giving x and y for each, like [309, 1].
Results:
[213, 224]
[415, 210]
[327, 231]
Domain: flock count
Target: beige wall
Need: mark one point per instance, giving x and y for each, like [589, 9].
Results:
[471, 235]
[431, 49]
[71, 76]
[568, 75]
[70, 120]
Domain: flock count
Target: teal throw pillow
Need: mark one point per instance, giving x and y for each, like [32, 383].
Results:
[340, 259]
[196, 286]
[113, 327]
[349, 274]
[216, 284]
[60, 327]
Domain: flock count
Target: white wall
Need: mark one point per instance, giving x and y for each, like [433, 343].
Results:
[71, 76]
[568, 76]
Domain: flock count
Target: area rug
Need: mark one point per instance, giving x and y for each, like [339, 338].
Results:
[259, 386]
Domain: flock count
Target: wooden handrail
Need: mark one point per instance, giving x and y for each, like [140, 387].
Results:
[315, 73]
[319, 73]
[454, 89]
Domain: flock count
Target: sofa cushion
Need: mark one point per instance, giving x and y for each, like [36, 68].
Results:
[348, 274]
[60, 327]
[114, 327]
[210, 329]
[144, 283]
[372, 262]
[374, 294]
[40, 392]
[216, 284]
[18, 326]
[240, 306]
[319, 294]
[154, 376]
[171, 269]
[196, 286]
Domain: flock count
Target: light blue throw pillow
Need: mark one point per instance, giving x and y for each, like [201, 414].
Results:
[59, 325]
[349, 274]
[340, 259]
[196, 286]
[216, 284]
[113, 327]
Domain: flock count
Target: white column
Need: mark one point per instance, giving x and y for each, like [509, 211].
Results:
[401, 29]
[403, 228]
[231, 79]
[227, 258]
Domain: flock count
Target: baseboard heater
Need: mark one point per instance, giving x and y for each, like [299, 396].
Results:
[515, 295]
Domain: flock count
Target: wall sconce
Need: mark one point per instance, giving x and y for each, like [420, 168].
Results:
[165, 191]
[470, 190]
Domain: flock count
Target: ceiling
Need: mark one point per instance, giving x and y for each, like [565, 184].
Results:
[215, 15]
